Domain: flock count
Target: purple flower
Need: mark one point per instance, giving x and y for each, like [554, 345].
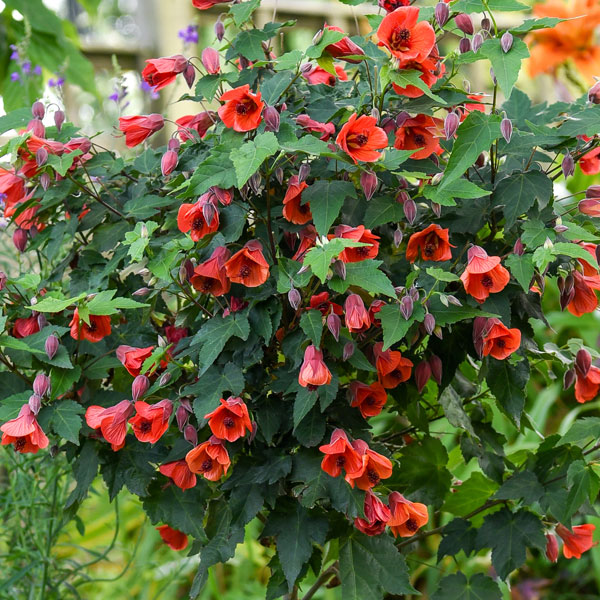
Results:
[15, 76]
[189, 35]
[56, 82]
[149, 89]
[114, 97]
[37, 70]
[26, 66]
[15, 52]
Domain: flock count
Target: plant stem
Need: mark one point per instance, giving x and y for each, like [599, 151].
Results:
[49, 540]
[322, 580]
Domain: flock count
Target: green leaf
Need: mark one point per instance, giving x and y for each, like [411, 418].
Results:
[366, 275]
[509, 534]
[146, 206]
[523, 484]
[395, 326]
[582, 431]
[470, 495]
[506, 65]
[453, 409]
[521, 268]
[471, 6]
[289, 60]
[584, 485]
[55, 305]
[456, 587]
[370, 566]
[162, 265]
[303, 403]
[85, 469]
[461, 188]
[63, 379]
[217, 169]
[329, 37]
[407, 77]
[308, 144]
[534, 24]
[311, 429]
[15, 119]
[319, 258]
[574, 251]
[507, 382]
[247, 159]
[458, 535]
[326, 199]
[518, 192]
[241, 12]
[475, 134]
[311, 323]
[61, 164]
[65, 419]
[383, 209]
[210, 387]
[441, 275]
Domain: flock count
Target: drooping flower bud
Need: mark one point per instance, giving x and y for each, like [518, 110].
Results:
[38, 110]
[464, 45]
[486, 24]
[568, 165]
[141, 292]
[41, 156]
[209, 212]
[294, 298]
[174, 144]
[583, 361]
[334, 324]
[348, 350]
[451, 123]
[51, 346]
[493, 76]
[279, 175]
[506, 41]
[219, 30]
[42, 320]
[569, 378]
[551, 547]
[181, 416]
[437, 209]
[368, 183]
[36, 127]
[339, 268]
[2, 280]
[244, 63]
[593, 191]
[211, 60]
[519, 248]
[442, 12]
[398, 235]
[429, 323]
[168, 162]
[303, 172]
[410, 210]
[41, 384]
[422, 375]
[45, 181]
[506, 129]
[453, 300]
[477, 42]
[164, 379]
[435, 362]
[317, 37]
[272, 119]
[191, 435]
[464, 23]
[59, 119]
[594, 93]
[189, 75]
[139, 387]
[35, 403]
[20, 239]
[406, 307]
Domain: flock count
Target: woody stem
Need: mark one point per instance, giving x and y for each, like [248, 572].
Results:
[322, 580]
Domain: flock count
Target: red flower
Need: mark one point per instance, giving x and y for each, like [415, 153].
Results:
[293, 209]
[484, 275]
[499, 341]
[242, 109]
[175, 334]
[587, 384]
[406, 39]
[98, 328]
[375, 467]
[111, 421]
[13, 187]
[375, 309]
[24, 327]
[151, 420]
[361, 139]
[433, 242]
[358, 234]
[319, 75]
[407, 517]
[308, 237]
[175, 539]
[339, 454]
[205, 4]
[210, 459]
[199, 123]
[139, 128]
[590, 162]
[314, 371]
[248, 265]
[160, 72]
[321, 302]
[133, 358]
[431, 70]
[24, 432]
[345, 48]
[325, 129]
[369, 399]
[190, 217]
[584, 300]
[392, 368]
[356, 315]
[180, 474]
[230, 420]
[422, 132]
[377, 514]
[578, 541]
[209, 277]
[551, 547]
[391, 5]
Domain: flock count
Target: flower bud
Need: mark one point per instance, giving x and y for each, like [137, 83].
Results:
[45, 181]
[593, 191]
[568, 165]
[2, 280]
[339, 268]
[493, 76]
[139, 387]
[486, 24]
[402, 196]
[41, 320]
[219, 30]
[590, 207]
[506, 129]
[36, 127]
[442, 12]
[476, 42]
[168, 162]
[191, 435]
[569, 378]
[35, 403]
[272, 119]
[506, 41]
[410, 210]
[435, 362]
[398, 235]
[317, 37]
[560, 228]
[141, 292]
[429, 323]
[437, 209]
[464, 45]
[551, 547]
[174, 144]
[209, 212]
[181, 416]
[451, 123]
[20, 239]
[519, 248]
[464, 23]
[453, 300]
[583, 361]
[51, 346]
[368, 183]
[210, 60]
[480, 160]
[406, 307]
[279, 175]
[41, 385]
[41, 156]
[255, 183]
[244, 63]
[59, 119]
[189, 75]
[306, 68]
[164, 379]
[348, 350]
[594, 93]
[294, 298]
[422, 375]
[303, 172]
[38, 110]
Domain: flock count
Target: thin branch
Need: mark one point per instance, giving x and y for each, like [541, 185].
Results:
[322, 580]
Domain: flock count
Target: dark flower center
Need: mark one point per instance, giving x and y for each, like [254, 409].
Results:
[198, 223]
[396, 373]
[411, 525]
[420, 139]
[20, 444]
[244, 271]
[361, 139]
[206, 465]
[363, 250]
[399, 38]
[92, 326]
[340, 461]
[431, 245]
[500, 343]
[146, 426]
[486, 281]
[228, 422]
[312, 388]
[369, 401]
[303, 208]
[373, 476]
[241, 108]
[207, 284]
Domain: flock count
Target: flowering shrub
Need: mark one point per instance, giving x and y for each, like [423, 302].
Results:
[264, 317]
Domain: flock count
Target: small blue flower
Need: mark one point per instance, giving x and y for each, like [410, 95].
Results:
[26, 67]
[37, 70]
[15, 76]
[15, 52]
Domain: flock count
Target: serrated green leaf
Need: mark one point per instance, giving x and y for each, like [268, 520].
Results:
[574, 251]
[55, 305]
[303, 403]
[461, 188]
[247, 159]
[523, 484]
[394, 325]
[326, 199]
[521, 268]
[506, 65]
[311, 323]
[470, 495]
[241, 12]
[66, 419]
[478, 587]
[366, 275]
[453, 409]
[319, 258]
[63, 379]
[507, 382]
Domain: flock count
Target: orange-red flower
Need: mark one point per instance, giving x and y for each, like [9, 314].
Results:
[12, 186]
[179, 472]
[160, 72]
[369, 399]
[322, 303]
[344, 49]
[24, 432]
[24, 327]
[590, 162]
[584, 299]
[587, 385]
[325, 129]
[308, 236]
[314, 371]
[139, 128]
[205, 4]
[175, 539]
[422, 132]
[578, 541]
[484, 275]
[98, 328]
[392, 367]
[111, 421]
[230, 420]
[210, 459]
[431, 70]
[339, 454]
[377, 514]
[319, 75]
[407, 517]
[361, 139]
[133, 358]
[404, 37]
[151, 420]
[375, 467]
[432, 242]
[242, 109]
[199, 123]
[248, 265]
[191, 217]
[356, 315]
[293, 209]
[499, 341]
[209, 277]
[357, 234]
